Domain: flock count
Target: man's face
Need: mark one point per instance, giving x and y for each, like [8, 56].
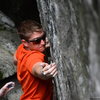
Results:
[37, 41]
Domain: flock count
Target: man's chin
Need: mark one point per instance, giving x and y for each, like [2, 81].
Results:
[42, 49]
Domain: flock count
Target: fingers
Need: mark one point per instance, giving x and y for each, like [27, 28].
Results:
[7, 87]
[43, 64]
[47, 43]
[50, 70]
[10, 89]
[54, 72]
[46, 68]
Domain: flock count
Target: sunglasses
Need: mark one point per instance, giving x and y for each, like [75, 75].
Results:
[38, 40]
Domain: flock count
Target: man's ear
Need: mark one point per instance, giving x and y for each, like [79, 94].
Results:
[25, 43]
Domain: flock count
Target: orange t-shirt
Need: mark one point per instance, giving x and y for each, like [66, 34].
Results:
[33, 87]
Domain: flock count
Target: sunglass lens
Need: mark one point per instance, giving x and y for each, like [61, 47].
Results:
[38, 40]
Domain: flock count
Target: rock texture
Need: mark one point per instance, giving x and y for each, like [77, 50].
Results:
[8, 43]
[73, 30]
[72, 27]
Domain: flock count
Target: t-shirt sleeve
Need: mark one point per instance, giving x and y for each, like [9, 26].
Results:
[33, 59]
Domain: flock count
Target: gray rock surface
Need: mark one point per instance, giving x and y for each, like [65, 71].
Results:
[73, 30]
[8, 44]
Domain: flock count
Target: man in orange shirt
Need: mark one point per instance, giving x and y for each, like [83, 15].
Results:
[33, 72]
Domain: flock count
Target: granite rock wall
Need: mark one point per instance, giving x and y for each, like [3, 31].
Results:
[8, 44]
[73, 30]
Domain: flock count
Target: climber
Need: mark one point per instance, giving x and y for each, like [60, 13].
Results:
[33, 71]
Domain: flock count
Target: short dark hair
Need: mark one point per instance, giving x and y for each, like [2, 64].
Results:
[27, 27]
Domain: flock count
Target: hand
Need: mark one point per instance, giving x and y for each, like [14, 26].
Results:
[47, 43]
[7, 87]
[49, 71]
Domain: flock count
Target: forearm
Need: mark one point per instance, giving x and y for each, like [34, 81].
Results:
[44, 71]
[2, 92]
[37, 71]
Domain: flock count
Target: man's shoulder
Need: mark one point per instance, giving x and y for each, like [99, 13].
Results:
[20, 46]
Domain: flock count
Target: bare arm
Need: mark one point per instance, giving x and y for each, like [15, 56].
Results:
[44, 70]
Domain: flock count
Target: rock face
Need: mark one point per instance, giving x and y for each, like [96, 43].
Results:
[8, 43]
[73, 30]
[72, 27]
